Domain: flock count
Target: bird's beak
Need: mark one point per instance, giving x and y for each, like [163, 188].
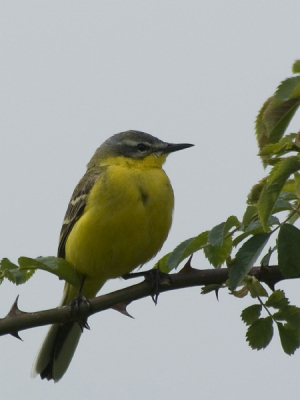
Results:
[171, 147]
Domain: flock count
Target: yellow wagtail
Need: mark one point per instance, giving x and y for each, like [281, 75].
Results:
[118, 218]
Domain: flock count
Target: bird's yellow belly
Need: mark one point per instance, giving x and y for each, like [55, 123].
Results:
[125, 223]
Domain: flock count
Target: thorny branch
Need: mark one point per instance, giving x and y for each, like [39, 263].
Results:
[17, 320]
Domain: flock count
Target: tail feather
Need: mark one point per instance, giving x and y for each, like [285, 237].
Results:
[57, 351]
[59, 345]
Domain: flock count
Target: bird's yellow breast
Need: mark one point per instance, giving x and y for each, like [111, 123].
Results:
[125, 222]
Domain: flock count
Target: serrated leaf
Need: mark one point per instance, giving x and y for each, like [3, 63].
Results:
[296, 67]
[260, 333]
[246, 257]
[289, 337]
[287, 89]
[276, 180]
[251, 314]
[215, 237]
[289, 251]
[256, 190]
[290, 314]
[13, 273]
[255, 226]
[249, 215]
[17, 276]
[231, 222]
[57, 266]
[217, 255]
[260, 127]
[277, 299]
[6, 264]
[284, 145]
[278, 116]
[185, 249]
[217, 234]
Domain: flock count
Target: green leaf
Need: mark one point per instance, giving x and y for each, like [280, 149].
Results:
[57, 266]
[260, 333]
[276, 180]
[297, 184]
[260, 126]
[6, 264]
[249, 216]
[231, 222]
[288, 191]
[255, 288]
[256, 190]
[215, 237]
[217, 234]
[289, 337]
[211, 288]
[251, 314]
[13, 273]
[255, 225]
[284, 145]
[296, 67]
[278, 116]
[185, 249]
[290, 314]
[287, 89]
[246, 257]
[162, 264]
[289, 251]
[277, 299]
[281, 205]
[217, 255]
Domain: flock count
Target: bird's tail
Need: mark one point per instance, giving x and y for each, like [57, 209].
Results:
[59, 346]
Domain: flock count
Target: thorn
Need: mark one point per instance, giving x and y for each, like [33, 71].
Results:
[217, 294]
[187, 267]
[155, 298]
[122, 308]
[14, 311]
[16, 335]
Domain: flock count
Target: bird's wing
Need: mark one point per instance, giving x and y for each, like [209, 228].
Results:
[76, 206]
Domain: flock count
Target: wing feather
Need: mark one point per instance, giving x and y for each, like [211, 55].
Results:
[77, 205]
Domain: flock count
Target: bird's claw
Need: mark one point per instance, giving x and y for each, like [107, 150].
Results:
[75, 310]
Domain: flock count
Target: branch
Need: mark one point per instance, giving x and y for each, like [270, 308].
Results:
[17, 320]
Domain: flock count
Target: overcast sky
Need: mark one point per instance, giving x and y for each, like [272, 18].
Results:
[72, 74]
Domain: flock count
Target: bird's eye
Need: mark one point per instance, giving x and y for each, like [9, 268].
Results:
[142, 147]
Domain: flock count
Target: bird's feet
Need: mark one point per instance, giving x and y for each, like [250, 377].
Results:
[156, 277]
[75, 310]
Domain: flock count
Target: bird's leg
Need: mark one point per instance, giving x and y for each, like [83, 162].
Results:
[75, 306]
[155, 276]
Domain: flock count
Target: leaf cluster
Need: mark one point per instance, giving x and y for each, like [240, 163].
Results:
[285, 316]
[26, 267]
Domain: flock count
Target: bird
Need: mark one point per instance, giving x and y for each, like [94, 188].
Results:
[117, 219]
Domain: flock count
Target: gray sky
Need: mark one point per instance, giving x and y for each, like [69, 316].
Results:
[74, 73]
